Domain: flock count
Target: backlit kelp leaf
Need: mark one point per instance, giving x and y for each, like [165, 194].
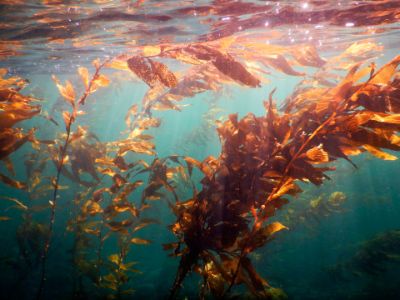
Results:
[4, 218]
[386, 72]
[190, 162]
[128, 267]
[20, 205]
[14, 112]
[67, 118]
[120, 208]
[151, 72]
[152, 50]
[170, 246]
[118, 64]
[235, 70]
[279, 62]
[164, 104]
[184, 56]
[94, 208]
[152, 195]
[92, 231]
[317, 155]
[145, 137]
[9, 165]
[119, 225]
[367, 137]
[146, 123]
[362, 50]
[84, 73]
[272, 228]
[115, 258]
[166, 77]
[3, 72]
[129, 188]
[99, 81]
[144, 223]
[96, 63]
[265, 234]
[140, 146]
[12, 139]
[308, 56]
[107, 171]
[142, 69]
[112, 281]
[139, 241]
[378, 153]
[131, 114]
[386, 118]
[225, 63]
[121, 164]
[119, 181]
[13, 183]
[289, 187]
[66, 91]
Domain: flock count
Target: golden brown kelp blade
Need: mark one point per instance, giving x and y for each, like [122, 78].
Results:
[224, 62]
[152, 72]
[14, 108]
[261, 160]
[83, 151]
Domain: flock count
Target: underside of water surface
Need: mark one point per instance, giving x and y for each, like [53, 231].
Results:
[226, 149]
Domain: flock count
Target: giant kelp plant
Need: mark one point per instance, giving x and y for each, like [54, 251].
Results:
[261, 160]
[344, 108]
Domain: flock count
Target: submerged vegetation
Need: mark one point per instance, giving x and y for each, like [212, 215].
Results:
[373, 257]
[224, 208]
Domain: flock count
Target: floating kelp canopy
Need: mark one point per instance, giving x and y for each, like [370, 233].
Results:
[222, 209]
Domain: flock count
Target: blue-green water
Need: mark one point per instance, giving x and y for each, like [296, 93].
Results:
[316, 258]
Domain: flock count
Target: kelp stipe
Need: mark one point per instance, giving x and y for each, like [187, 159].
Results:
[68, 93]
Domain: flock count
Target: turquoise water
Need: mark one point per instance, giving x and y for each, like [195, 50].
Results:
[328, 250]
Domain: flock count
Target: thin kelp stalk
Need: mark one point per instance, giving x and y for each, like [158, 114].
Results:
[53, 210]
[68, 93]
[121, 277]
[77, 228]
[186, 263]
[101, 244]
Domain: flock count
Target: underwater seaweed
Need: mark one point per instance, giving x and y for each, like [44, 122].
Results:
[15, 107]
[235, 196]
[372, 257]
[67, 91]
[317, 209]
[261, 160]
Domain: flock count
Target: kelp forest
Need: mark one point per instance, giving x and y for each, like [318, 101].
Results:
[199, 150]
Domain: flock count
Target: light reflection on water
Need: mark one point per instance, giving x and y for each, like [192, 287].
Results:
[49, 34]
